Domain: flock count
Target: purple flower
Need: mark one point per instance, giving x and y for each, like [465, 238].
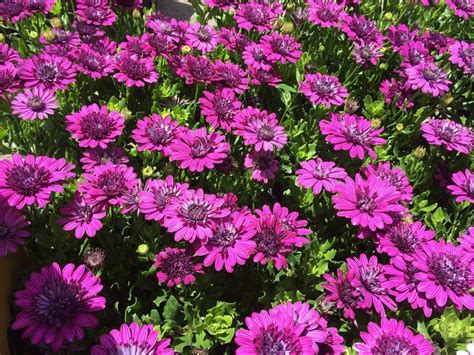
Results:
[343, 293]
[360, 29]
[368, 203]
[133, 339]
[255, 15]
[232, 40]
[133, 70]
[254, 56]
[318, 174]
[157, 195]
[323, 89]
[34, 103]
[230, 244]
[352, 133]
[325, 13]
[280, 48]
[31, 180]
[155, 133]
[97, 16]
[429, 78]
[107, 184]
[92, 63]
[392, 337]
[367, 53]
[64, 38]
[395, 176]
[97, 156]
[8, 79]
[82, 217]
[462, 186]
[193, 214]
[57, 304]
[95, 126]
[461, 8]
[399, 35]
[445, 272]
[194, 69]
[12, 233]
[397, 92]
[450, 134]
[260, 77]
[13, 10]
[263, 165]
[201, 37]
[414, 53]
[136, 45]
[176, 266]
[260, 129]
[437, 41]
[47, 72]
[370, 280]
[462, 54]
[220, 108]
[231, 76]
[289, 220]
[9, 55]
[196, 149]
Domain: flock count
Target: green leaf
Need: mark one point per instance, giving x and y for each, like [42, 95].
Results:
[172, 307]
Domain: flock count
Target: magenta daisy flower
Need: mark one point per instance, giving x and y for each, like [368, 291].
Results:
[9, 55]
[107, 184]
[325, 13]
[176, 266]
[31, 180]
[13, 11]
[437, 41]
[230, 244]
[196, 149]
[272, 334]
[360, 29]
[445, 272]
[260, 129]
[370, 280]
[47, 72]
[323, 90]
[254, 56]
[318, 174]
[256, 15]
[95, 126]
[367, 53]
[461, 8]
[231, 76]
[289, 220]
[64, 38]
[280, 48]
[343, 293]
[392, 337]
[395, 177]
[414, 53]
[57, 304]
[369, 203]
[193, 215]
[97, 16]
[97, 156]
[220, 108]
[231, 39]
[429, 78]
[352, 133]
[269, 77]
[462, 55]
[263, 165]
[201, 37]
[39, 6]
[155, 133]
[450, 134]
[132, 339]
[399, 35]
[12, 232]
[92, 63]
[133, 70]
[397, 92]
[466, 241]
[462, 186]
[8, 79]
[82, 217]
[135, 45]
[194, 69]
[34, 103]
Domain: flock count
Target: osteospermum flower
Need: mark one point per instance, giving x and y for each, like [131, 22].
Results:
[98, 156]
[367, 53]
[370, 280]
[260, 129]
[323, 89]
[325, 13]
[397, 92]
[273, 333]
[9, 54]
[220, 108]
[93, 126]
[34, 103]
[414, 53]
[445, 272]
[176, 266]
[47, 72]
[155, 133]
[269, 77]
[132, 339]
[280, 48]
[317, 174]
[352, 133]
[134, 70]
[232, 39]
[201, 37]
[254, 56]
[57, 304]
[196, 149]
[369, 203]
[461, 8]
[399, 35]
[230, 244]
[8, 78]
[263, 165]
[450, 134]
[231, 76]
[193, 215]
[395, 176]
[289, 220]
[360, 29]
[462, 186]
[466, 241]
[96, 15]
[392, 337]
[92, 63]
[31, 180]
[13, 10]
[107, 184]
[429, 78]
[462, 54]
[82, 217]
[342, 292]
[157, 195]
[194, 69]
[12, 232]
[256, 15]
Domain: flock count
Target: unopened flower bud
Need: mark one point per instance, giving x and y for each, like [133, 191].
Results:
[147, 171]
[446, 99]
[56, 22]
[143, 249]
[351, 106]
[94, 258]
[388, 16]
[288, 27]
[420, 152]
[136, 14]
[185, 49]
[376, 123]
[126, 113]
[33, 35]
[400, 127]
[2, 37]
[383, 66]
[48, 35]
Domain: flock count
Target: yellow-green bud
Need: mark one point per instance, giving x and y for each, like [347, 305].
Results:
[147, 171]
[33, 35]
[400, 127]
[143, 249]
[185, 49]
[136, 14]
[2, 37]
[446, 99]
[56, 22]
[420, 152]
[388, 16]
[126, 113]
[383, 66]
[376, 123]
[49, 36]
[288, 27]
[290, 6]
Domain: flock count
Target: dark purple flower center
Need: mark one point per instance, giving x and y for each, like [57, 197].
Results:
[36, 104]
[201, 147]
[365, 30]
[47, 72]
[203, 34]
[196, 212]
[12, 8]
[6, 79]
[324, 87]
[320, 172]
[447, 131]
[96, 13]
[281, 46]
[266, 133]
[160, 134]
[84, 212]
[97, 126]
[224, 109]
[134, 68]
[112, 183]
[6, 232]
[465, 5]
[201, 70]
[229, 76]
[348, 294]
[163, 195]
[355, 135]
[274, 341]
[62, 37]
[391, 176]
[404, 238]
[36, 5]
[256, 14]
[450, 271]
[370, 278]
[401, 38]
[178, 266]
[366, 203]
[86, 29]
[59, 303]
[393, 345]
[225, 236]
[264, 162]
[269, 241]
[28, 180]
[326, 14]
[92, 61]
[467, 53]
[431, 73]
